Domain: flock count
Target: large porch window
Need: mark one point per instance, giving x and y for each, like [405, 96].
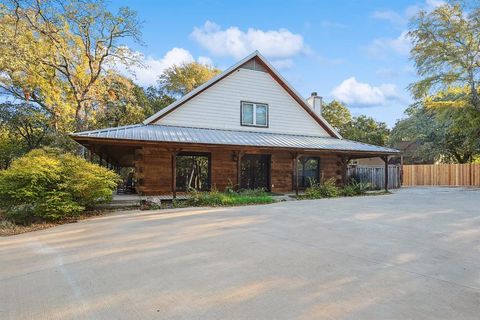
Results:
[193, 171]
[308, 171]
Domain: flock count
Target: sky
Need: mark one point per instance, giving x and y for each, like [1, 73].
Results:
[353, 51]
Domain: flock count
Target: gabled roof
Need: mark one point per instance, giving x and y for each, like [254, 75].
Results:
[271, 70]
[188, 135]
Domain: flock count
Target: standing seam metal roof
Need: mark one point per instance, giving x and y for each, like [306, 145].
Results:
[176, 134]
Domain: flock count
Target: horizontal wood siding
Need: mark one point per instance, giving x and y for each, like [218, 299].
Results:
[219, 106]
[281, 169]
[224, 170]
[441, 175]
[153, 171]
[331, 168]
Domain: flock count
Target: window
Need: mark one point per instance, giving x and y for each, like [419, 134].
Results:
[193, 171]
[308, 171]
[254, 114]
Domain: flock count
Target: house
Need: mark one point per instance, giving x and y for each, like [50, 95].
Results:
[245, 128]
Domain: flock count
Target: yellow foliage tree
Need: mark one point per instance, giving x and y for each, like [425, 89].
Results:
[59, 55]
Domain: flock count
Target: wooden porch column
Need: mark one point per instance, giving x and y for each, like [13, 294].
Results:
[344, 163]
[295, 172]
[173, 156]
[385, 159]
[239, 155]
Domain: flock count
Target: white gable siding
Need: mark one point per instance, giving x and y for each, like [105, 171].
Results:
[219, 106]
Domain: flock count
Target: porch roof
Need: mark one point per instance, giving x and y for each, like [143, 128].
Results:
[189, 135]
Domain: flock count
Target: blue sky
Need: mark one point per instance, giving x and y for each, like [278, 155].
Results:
[353, 51]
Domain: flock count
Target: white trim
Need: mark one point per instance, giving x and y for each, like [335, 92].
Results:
[254, 114]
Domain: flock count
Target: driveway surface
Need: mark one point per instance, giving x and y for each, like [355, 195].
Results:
[414, 254]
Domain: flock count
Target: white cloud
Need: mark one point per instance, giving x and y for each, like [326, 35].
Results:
[205, 60]
[387, 73]
[390, 16]
[152, 68]
[360, 94]
[283, 63]
[402, 18]
[382, 47]
[238, 43]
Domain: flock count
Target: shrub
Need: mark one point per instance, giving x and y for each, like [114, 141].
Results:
[48, 185]
[355, 188]
[327, 189]
[216, 198]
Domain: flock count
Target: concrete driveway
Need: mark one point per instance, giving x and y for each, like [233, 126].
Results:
[411, 255]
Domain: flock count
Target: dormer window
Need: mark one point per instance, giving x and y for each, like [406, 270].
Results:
[254, 114]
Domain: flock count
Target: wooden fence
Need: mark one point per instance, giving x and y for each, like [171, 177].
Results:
[441, 175]
[376, 175]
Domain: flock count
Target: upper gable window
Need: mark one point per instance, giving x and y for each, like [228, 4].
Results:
[254, 114]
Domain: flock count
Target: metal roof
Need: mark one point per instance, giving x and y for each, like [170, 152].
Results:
[175, 134]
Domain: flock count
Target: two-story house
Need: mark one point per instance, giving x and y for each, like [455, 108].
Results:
[245, 128]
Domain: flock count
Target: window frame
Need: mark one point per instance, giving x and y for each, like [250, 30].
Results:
[208, 155]
[301, 165]
[255, 104]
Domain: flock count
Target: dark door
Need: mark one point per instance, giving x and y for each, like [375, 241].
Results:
[255, 172]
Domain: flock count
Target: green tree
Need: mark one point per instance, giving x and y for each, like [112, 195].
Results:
[57, 54]
[10, 147]
[177, 81]
[27, 122]
[157, 98]
[443, 134]
[446, 51]
[366, 129]
[337, 114]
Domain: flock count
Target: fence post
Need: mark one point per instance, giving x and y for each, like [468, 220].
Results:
[385, 159]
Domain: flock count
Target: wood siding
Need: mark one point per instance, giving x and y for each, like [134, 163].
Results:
[219, 106]
[153, 171]
[224, 170]
[154, 168]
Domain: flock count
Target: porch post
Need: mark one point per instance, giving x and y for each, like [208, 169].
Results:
[173, 156]
[344, 161]
[385, 159]
[239, 168]
[295, 172]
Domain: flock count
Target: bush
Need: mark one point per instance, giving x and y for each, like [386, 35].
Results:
[327, 189]
[48, 185]
[355, 188]
[229, 198]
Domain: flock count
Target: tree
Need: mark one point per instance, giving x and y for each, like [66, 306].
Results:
[157, 98]
[446, 51]
[9, 147]
[366, 129]
[27, 122]
[177, 81]
[337, 114]
[439, 134]
[56, 54]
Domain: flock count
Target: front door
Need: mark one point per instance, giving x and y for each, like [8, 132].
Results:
[255, 173]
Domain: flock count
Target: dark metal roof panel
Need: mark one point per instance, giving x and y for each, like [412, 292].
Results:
[163, 133]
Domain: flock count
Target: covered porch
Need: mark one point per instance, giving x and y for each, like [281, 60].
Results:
[170, 160]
